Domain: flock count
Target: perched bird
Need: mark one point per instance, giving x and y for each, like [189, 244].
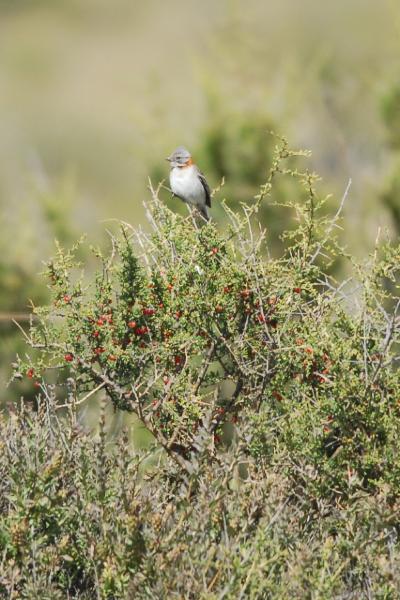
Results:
[188, 182]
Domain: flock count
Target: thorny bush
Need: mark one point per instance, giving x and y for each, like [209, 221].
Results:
[230, 358]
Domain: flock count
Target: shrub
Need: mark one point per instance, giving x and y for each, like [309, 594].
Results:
[270, 389]
[84, 518]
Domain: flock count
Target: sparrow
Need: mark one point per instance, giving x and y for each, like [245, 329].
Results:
[188, 182]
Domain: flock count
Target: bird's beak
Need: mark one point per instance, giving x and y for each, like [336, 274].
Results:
[168, 159]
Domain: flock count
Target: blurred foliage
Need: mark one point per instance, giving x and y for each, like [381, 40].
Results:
[391, 116]
[28, 235]
[391, 197]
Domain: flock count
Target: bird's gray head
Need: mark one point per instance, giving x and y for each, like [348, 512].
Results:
[180, 158]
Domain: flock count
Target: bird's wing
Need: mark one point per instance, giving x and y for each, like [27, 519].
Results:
[206, 188]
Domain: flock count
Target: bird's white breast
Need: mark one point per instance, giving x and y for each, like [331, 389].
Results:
[186, 184]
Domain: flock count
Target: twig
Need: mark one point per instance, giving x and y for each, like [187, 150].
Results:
[333, 222]
[86, 397]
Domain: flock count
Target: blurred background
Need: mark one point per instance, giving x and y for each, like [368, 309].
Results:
[94, 94]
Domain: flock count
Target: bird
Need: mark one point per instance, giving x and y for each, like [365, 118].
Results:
[188, 182]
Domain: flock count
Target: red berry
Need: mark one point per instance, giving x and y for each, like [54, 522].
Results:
[141, 330]
[132, 324]
[100, 322]
[148, 311]
[30, 373]
[170, 287]
[96, 333]
[297, 290]
[178, 360]
[227, 289]
[99, 350]
[36, 384]
[68, 357]
[67, 299]
[219, 308]
[178, 314]
[112, 357]
[214, 251]
[261, 318]
[309, 350]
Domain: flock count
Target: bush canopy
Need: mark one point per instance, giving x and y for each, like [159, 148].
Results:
[271, 392]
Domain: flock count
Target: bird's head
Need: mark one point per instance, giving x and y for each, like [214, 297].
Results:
[180, 158]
